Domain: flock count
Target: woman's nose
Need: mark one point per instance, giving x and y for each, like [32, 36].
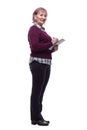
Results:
[44, 17]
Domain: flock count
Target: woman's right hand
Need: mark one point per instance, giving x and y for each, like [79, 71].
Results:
[54, 40]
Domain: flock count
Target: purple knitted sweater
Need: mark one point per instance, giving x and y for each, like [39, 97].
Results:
[39, 42]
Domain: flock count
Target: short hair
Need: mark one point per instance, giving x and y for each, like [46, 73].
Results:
[36, 12]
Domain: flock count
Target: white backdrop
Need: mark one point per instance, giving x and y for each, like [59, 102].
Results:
[65, 100]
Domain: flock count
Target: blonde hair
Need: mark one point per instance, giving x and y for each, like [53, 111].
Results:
[36, 12]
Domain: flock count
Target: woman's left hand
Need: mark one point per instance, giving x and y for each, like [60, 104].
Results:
[55, 48]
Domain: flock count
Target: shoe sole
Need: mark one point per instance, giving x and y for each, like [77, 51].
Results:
[36, 123]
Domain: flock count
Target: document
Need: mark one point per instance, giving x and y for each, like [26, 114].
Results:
[57, 43]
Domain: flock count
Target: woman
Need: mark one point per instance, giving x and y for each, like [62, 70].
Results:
[40, 63]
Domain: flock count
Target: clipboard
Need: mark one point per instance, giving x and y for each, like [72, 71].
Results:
[57, 43]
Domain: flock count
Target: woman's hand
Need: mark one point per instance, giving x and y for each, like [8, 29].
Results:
[54, 40]
[55, 48]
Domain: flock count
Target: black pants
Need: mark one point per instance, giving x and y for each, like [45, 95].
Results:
[40, 76]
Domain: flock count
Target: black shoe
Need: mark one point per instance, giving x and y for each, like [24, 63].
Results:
[40, 122]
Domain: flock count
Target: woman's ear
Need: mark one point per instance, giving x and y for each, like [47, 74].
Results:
[35, 17]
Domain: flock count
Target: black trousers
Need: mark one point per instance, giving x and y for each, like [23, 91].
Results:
[40, 76]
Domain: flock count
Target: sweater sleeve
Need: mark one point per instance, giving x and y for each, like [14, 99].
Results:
[35, 44]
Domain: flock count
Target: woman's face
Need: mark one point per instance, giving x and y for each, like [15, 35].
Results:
[41, 17]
